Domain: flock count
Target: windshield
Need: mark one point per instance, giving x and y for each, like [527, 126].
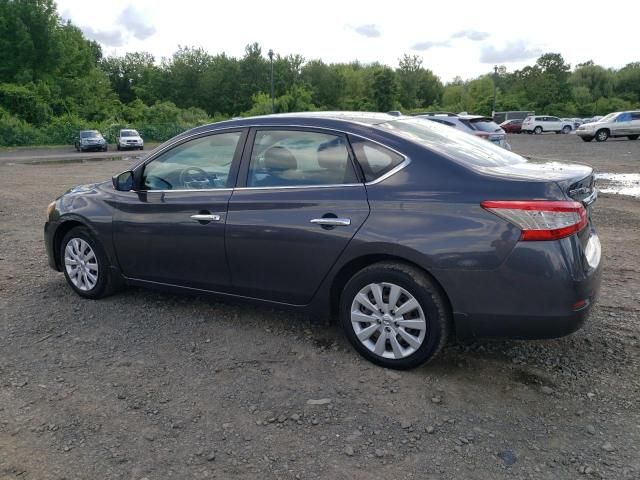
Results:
[455, 144]
[128, 133]
[608, 118]
[90, 134]
[484, 125]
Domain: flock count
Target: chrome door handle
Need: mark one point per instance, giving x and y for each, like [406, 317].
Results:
[200, 217]
[332, 222]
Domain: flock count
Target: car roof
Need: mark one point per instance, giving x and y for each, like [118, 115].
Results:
[307, 119]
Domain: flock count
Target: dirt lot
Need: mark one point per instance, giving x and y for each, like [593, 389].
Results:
[150, 385]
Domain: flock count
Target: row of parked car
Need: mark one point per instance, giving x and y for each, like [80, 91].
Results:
[126, 139]
[616, 124]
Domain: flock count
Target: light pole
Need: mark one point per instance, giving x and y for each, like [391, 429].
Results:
[273, 105]
[495, 78]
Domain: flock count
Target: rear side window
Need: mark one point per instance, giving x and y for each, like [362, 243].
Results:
[374, 159]
[484, 125]
[635, 115]
[289, 158]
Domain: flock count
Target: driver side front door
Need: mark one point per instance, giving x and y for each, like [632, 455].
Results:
[171, 230]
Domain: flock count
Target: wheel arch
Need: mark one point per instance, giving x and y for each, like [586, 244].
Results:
[64, 227]
[354, 265]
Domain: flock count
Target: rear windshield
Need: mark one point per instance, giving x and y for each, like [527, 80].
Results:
[455, 144]
[90, 134]
[484, 125]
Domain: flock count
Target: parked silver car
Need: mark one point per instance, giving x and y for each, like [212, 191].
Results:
[483, 127]
[616, 124]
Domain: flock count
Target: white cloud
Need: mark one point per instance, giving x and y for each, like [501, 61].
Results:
[369, 30]
[133, 22]
[512, 52]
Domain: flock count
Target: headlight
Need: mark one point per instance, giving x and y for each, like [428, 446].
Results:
[50, 208]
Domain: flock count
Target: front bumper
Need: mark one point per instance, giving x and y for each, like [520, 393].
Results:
[585, 133]
[49, 232]
[542, 290]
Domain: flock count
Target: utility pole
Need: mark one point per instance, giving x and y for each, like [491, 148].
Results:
[273, 102]
[495, 79]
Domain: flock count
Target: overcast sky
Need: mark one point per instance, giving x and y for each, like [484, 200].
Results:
[455, 38]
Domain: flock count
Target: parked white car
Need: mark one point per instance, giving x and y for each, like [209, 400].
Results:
[616, 124]
[129, 138]
[539, 124]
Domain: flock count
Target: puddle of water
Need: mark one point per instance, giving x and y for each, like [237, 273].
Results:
[75, 160]
[619, 183]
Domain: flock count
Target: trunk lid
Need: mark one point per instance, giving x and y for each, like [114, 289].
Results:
[575, 180]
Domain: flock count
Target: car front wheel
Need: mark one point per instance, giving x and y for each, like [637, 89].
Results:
[85, 265]
[602, 135]
[394, 315]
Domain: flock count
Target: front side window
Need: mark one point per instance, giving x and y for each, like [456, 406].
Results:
[282, 158]
[203, 163]
[624, 117]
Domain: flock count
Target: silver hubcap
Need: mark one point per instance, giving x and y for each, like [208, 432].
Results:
[602, 135]
[81, 264]
[388, 320]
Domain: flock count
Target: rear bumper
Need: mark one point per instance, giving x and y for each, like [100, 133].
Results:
[543, 290]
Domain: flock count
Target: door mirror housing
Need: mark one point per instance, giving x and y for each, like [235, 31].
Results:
[123, 182]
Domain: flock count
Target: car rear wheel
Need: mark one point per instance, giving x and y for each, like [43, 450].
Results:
[633, 137]
[602, 135]
[394, 315]
[85, 265]
[566, 129]
[537, 130]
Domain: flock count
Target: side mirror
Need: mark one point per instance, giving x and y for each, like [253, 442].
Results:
[123, 182]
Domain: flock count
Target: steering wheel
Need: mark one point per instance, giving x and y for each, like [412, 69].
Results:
[191, 176]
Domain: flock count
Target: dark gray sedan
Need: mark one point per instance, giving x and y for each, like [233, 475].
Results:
[405, 230]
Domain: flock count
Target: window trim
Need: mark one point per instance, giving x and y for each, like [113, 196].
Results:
[232, 178]
[247, 130]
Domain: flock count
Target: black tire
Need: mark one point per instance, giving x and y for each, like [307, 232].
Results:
[633, 137]
[428, 295]
[586, 139]
[537, 130]
[118, 147]
[141, 148]
[602, 135]
[566, 129]
[106, 284]
[105, 148]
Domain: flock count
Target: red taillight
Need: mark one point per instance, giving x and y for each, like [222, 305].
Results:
[541, 219]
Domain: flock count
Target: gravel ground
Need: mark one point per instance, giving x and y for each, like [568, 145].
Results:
[148, 385]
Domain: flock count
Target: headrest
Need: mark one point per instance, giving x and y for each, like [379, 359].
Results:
[279, 159]
[332, 155]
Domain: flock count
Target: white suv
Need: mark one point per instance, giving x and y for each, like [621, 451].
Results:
[540, 124]
[129, 138]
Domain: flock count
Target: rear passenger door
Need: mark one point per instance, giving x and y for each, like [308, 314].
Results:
[298, 203]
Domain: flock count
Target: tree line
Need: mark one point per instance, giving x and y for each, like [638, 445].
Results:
[54, 81]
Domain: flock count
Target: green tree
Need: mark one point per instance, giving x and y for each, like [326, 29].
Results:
[385, 89]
